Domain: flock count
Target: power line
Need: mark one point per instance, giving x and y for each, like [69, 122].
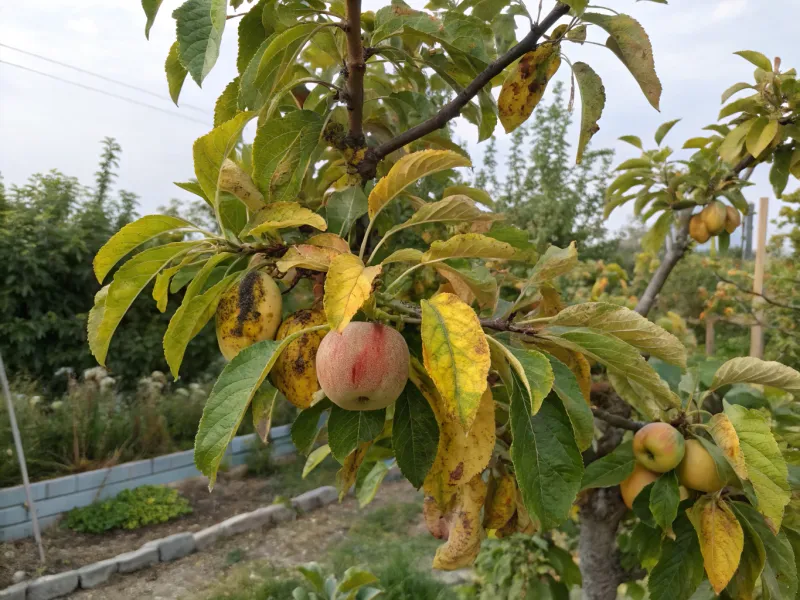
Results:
[103, 77]
[105, 93]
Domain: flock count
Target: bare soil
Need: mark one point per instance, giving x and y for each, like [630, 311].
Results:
[66, 549]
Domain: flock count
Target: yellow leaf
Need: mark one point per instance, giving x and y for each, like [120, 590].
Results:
[403, 255]
[525, 85]
[461, 455]
[211, 150]
[456, 355]
[576, 362]
[468, 245]
[761, 135]
[282, 215]
[727, 439]
[465, 532]
[346, 476]
[329, 240]
[501, 502]
[470, 285]
[233, 179]
[347, 287]
[721, 539]
[306, 256]
[409, 169]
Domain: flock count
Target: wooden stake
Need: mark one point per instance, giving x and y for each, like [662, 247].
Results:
[757, 331]
[21, 456]
[710, 345]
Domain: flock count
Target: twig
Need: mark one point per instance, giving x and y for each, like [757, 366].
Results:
[453, 108]
[766, 299]
[616, 420]
[356, 67]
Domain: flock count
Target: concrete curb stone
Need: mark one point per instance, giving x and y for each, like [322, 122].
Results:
[15, 592]
[93, 575]
[52, 586]
[146, 556]
[175, 546]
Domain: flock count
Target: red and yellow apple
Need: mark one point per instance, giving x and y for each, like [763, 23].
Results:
[363, 368]
[659, 447]
[635, 483]
[698, 471]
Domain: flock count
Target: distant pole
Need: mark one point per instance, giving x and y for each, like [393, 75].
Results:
[747, 233]
[21, 456]
[757, 331]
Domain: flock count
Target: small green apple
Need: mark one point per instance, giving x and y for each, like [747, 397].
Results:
[659, 447]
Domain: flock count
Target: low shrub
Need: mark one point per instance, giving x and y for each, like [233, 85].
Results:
[131, 509]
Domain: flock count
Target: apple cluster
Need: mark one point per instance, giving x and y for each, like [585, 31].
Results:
[715, 218]
[659, 448]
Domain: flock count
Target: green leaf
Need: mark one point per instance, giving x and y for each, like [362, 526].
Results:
[227, 104]
[283, 150]
[305, 427]
[593, 100]
[349, 428]
[755, 370]
[751, 563]
[629, 41]
[415, 435]
[631, 376]
[664, 129]
[664, 500]
[252, 33]
[211, 150]
[533, 370]
[131, 237]
[547, 461]
[344, 208]
[577, 6]
[626, 325]
[635, 163]
[226, 406]
[761, 135]
[632, 140]
[680, 569]
[569, 391]
[654, 238]
[262, 407]
[315, 458]
[779, 173]
[129, 281]
[564, 565]
[200, 24]
[766, 468]
[735, 88]
[779, 577]
[189, 319]
[369, 487]
[150, 10]
[731, 146]
[610, 470]
[758, 59]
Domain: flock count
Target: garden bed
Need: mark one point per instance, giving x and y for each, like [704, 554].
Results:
[66, 550]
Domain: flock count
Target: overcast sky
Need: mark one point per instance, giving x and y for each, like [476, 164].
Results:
[46, 124]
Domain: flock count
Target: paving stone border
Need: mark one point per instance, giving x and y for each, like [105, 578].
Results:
[168, 548]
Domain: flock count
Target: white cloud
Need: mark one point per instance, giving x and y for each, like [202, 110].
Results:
[728, 9]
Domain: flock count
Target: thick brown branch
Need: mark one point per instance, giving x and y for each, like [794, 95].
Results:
[453, 108]
[616, 420]
[356, 67]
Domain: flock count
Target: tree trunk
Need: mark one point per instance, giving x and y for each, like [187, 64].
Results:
[600, 566]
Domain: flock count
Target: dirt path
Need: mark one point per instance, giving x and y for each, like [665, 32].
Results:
[287, 545]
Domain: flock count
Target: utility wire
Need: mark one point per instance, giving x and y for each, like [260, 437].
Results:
[103, 77]
[105, 93]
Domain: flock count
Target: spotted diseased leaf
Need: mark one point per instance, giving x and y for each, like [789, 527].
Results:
[282, 215]
[176, 73]
[755, 370]
[629, 41]
[211, 150]
[131, 237]
[524, 87]
[547, 460]
[456, 355]
[464, 532]
[347, 287]
[461, 454]
[721, 539]
[766, 467]
[468, 245]
[593, 100]
[129, 280]
[626, 325]
[200, 24]
[283, 150]
[724, 434]
[409, 169]
[227, 404]
[306, 256]
[415, 435]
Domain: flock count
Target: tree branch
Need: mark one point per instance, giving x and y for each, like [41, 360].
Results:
[766, 299]
[453, 108]
[616, 420]
[356, 67]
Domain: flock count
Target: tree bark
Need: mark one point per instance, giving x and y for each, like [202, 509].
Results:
[597, 547]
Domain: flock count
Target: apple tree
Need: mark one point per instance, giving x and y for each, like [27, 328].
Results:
[479, 389]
